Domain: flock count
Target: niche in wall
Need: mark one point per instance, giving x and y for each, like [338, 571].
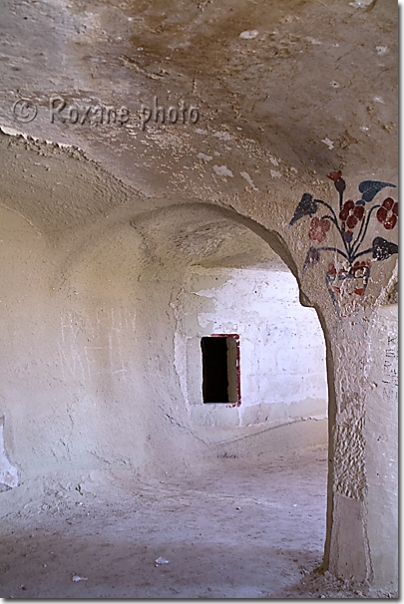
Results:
[220, 368]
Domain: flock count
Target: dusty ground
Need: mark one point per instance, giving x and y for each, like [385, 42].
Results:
[230, 528]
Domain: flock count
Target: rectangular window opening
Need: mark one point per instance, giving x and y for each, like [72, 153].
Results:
[221, 369]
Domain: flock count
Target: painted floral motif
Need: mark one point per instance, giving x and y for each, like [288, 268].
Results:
[388, 213]
[347, 281]
[351, 213]
[319, 228]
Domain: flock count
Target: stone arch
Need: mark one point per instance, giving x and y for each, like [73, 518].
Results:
[354, 546]
[274, 239]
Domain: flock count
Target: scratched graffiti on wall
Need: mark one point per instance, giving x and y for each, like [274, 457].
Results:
[390, 369]
[94, 346]
[348, 275]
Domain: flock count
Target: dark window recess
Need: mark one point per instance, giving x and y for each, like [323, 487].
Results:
[220, 363]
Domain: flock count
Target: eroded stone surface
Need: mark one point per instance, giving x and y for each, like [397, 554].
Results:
[8, 472]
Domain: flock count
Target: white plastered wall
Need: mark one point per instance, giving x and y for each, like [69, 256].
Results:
[282, 351]
[101, 363]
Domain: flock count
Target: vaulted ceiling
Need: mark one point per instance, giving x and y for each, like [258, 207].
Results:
[283, 91]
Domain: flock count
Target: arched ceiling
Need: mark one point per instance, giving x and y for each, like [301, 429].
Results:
[286, 90]
[203, 235]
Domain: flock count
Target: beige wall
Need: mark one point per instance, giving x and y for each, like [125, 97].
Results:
[101, 224]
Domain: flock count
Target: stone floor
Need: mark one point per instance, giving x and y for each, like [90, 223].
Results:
[227, 528]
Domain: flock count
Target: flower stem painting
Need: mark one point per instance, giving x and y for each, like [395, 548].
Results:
[347, 281]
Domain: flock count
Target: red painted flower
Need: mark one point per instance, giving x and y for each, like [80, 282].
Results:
[339, 182]
[319, 228]
[387, 213]
[351, 214]
[331, 269]
[335, 175]
[360, 270]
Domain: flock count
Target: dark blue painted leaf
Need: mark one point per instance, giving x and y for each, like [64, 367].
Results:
[383, 249]
[307, 207]
[313, 256]
[370, 188]
[360, 202]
